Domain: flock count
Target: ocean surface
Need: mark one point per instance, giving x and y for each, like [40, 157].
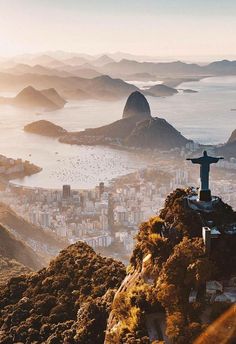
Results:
[205, 117]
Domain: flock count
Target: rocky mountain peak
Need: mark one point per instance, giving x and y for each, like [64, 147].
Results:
[137, 104]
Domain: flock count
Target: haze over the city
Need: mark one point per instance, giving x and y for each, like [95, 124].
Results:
[164, 28]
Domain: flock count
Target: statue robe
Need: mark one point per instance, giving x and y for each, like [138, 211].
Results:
[205, 162]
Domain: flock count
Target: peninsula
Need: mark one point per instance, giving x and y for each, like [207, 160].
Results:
[137, 128]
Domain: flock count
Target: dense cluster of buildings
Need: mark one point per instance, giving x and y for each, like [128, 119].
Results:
[14, 168]
[98, 216]
[105, 214]
[10, 166]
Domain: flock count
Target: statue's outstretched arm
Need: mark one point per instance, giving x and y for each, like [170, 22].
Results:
[195, 161]
[215, 160]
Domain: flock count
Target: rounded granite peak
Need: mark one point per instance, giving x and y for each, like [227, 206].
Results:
[137, 104]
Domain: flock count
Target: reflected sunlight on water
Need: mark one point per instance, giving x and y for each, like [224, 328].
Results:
[204, 116]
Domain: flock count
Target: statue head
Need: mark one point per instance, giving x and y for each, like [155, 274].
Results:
[205, 153]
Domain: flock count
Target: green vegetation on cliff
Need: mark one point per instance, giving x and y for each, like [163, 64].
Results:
[68, 302]
[168, 264]
[10, 268]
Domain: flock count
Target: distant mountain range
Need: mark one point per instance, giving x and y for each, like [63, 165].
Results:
[125, 68]
[78, 76]
[48, 61]
[102, 87]
[21, 69]
[116, 56]
[58, 62]
[176, 69]
[85, 71]
[121, 64]
[102, 60]
[228, 150]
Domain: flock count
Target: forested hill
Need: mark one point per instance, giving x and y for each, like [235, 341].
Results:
[167, 264]
[67, 302]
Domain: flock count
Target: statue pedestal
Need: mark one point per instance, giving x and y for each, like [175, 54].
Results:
[205, 195]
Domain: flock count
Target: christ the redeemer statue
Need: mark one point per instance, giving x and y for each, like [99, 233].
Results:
[205, 162]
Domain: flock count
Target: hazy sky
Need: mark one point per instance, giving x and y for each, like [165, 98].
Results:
[151, 27]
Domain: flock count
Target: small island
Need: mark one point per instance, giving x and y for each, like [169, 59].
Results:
[188, 90]
[45, 128]
[161, 91]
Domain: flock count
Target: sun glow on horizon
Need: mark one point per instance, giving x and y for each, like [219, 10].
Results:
[143, 28]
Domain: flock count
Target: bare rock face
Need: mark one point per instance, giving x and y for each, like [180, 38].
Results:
[137, 105]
